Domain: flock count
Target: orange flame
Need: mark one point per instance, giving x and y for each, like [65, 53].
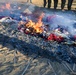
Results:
[36, 26]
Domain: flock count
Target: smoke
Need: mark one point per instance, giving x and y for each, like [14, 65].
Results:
[65, 20]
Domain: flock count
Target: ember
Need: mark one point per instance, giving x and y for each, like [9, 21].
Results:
[55, 38]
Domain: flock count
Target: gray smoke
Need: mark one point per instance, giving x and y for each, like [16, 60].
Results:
[67, 21]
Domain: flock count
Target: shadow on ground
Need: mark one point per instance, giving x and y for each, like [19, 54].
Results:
[27, 49]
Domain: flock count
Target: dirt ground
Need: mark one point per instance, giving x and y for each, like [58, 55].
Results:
[40, 3]
[16, 64]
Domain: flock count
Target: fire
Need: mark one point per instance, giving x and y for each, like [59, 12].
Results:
[8, 6]
[36, 26]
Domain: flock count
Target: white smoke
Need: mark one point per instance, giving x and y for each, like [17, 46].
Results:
[63, 20]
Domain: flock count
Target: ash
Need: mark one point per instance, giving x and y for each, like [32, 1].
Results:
[30, 45]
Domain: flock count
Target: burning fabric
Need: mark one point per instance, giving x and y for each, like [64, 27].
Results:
[48, 26]
[57, 33]
[54, 28]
